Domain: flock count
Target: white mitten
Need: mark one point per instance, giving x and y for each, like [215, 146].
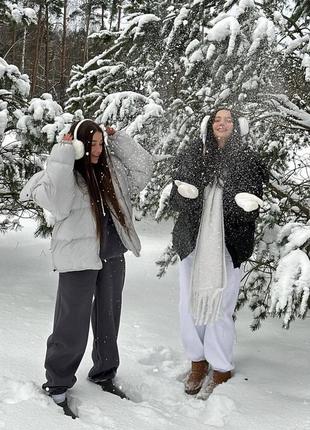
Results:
[248, 202]
[186, 190]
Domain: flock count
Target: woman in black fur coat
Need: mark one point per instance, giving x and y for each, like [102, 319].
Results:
[217, 191]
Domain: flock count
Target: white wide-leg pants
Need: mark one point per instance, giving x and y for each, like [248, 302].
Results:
[212, 342]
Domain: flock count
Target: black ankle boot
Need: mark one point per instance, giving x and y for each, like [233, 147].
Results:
[67, 411]
[109, 387]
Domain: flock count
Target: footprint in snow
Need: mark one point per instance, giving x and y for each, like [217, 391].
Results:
[12, 391]
[156, 356]
[163, 361]
[218, 410]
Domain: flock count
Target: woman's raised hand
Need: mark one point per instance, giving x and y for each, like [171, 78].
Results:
[110, 131]
[67, 138]
[248, 202]
[186, 190]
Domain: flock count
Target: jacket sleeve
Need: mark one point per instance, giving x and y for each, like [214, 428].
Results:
[137, 162]
[251, 181]
[180, 203]
[53, 188]
[184, 170]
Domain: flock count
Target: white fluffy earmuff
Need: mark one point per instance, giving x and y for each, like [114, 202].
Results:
[78, 145]
[244, 125]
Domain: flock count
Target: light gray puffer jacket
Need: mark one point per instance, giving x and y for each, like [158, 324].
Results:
[74, 243]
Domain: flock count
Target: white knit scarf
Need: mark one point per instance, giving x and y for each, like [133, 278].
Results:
[208, 278]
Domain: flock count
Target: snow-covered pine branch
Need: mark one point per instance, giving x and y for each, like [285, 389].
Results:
[20, 14]
[28, 128]
[298, 117]
[14, 90]
[290, 287]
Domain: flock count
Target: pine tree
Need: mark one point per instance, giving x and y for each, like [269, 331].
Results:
[159, 76]
[208, 54]
[110, 87]
[15, 88]
[28, 129]
[278, 280]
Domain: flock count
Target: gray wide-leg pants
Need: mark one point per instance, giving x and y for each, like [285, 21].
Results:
[83, 296]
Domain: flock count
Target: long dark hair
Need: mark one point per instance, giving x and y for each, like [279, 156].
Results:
[97, 177]
[218, 159]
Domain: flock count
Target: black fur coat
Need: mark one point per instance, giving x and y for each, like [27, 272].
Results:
[241, 170]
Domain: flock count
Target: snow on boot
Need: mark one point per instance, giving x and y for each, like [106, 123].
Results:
[109, 387]
[216, 379]
[66, 408]
[196, 376]
[61, 400]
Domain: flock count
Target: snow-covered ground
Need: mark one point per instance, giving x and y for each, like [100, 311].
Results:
[270, 389]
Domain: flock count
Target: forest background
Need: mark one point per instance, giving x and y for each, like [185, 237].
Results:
[158, 69]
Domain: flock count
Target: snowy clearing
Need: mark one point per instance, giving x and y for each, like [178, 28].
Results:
[270, 389]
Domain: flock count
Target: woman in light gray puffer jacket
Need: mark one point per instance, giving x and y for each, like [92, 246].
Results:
[87, 187]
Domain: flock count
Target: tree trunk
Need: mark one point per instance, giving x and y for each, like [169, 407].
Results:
[102, 16]
[63, 54]
[87, 24]
[13, 44]
[22, 68]
[119, 17]
[46, 61]
[113, 11]
[37, 52]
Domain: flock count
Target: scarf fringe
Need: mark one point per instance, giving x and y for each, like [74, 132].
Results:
[206, 309]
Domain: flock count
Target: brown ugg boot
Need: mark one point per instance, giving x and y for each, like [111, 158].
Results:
[196, 377]
[216, 379]
[220, 377]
